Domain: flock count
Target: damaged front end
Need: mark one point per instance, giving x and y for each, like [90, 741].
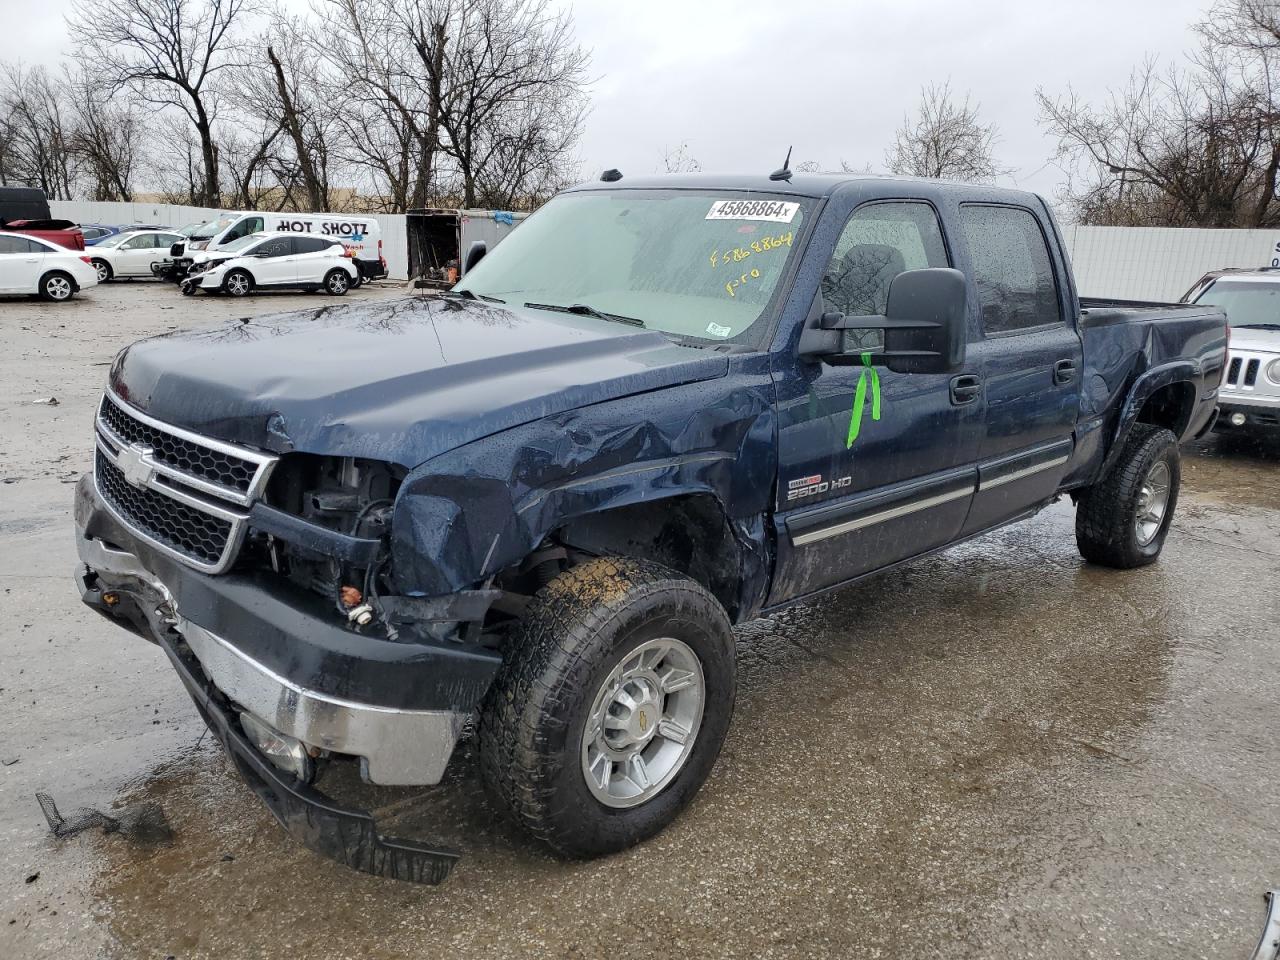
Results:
[265, 579]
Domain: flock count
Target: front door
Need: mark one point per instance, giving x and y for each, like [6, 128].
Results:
[874, 466]
[278, 264]
[1030, 358]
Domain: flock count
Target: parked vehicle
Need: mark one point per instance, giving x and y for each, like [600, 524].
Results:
[32, 265]
[96, 233]
[1249, 399]
[659, 408]
[132, 254]
[275, 261]
[361, 234]
[62, 233]
[23, 203]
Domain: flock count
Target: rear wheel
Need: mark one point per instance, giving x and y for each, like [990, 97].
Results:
[57, 286]
[237, 283]
[337, 282]
[103, 268]
[1122, 520]
[611, 706]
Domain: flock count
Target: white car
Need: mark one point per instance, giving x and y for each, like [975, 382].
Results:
[29, 265]
[131, 254]
[275, 261]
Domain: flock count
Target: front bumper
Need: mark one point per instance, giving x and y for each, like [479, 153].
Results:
[1259, 413]
[398, 707]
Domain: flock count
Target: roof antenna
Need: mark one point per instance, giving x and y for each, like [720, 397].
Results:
[783, 172]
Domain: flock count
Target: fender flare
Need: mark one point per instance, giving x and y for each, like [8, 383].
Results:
[1187, 372]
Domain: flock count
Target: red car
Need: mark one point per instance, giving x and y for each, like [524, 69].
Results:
[26, 210]
[62, 232]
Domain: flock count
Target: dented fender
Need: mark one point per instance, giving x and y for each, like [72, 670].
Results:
[470, 513]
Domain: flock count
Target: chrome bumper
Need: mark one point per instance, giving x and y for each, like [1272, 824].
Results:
[396, 747]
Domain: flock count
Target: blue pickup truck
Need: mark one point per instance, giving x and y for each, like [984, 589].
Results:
[536, 506]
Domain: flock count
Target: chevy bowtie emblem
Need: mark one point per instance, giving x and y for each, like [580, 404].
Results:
[132, 461]
[644, 722]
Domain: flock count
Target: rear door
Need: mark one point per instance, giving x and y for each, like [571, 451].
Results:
[1030, 356]
[864, 485]
[313, 258]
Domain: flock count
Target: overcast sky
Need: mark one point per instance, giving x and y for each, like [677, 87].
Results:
[740, 81]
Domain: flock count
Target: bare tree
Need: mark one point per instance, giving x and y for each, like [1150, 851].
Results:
[680, 160]
[106, 136]
[946, 139]
[1192, 146]
[170, 52]
[35, 125]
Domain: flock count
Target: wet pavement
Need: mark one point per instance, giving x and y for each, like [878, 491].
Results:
[996, 752]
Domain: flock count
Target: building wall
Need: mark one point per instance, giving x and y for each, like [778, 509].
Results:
[395, 246]
[1160, 263]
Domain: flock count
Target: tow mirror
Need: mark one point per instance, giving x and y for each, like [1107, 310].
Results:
[475, 253]
[923, 329]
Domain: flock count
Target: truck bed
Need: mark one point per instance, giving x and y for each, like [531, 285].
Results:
[1101, 312]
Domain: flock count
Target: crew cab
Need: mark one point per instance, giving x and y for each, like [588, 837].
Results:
[660, 408]
[1249, 398]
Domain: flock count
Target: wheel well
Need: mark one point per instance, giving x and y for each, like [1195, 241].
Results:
[690, 534]
[1170, 406]
[59, 273]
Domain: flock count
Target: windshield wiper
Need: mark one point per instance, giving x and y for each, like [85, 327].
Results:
[587, 311]
[472, 295]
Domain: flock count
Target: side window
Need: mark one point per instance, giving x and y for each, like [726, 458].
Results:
[134, 243]
[880, 241]
[14, 245]
[1012, 269]
[278, 247]
[309, 244]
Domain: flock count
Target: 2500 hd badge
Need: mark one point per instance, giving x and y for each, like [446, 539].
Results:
[535, 507]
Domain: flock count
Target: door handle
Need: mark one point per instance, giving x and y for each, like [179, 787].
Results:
[965, 388]
[1064, 371]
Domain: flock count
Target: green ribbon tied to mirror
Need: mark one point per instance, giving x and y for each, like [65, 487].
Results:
[868, 374]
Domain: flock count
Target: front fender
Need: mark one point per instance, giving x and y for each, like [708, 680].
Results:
[468, 514]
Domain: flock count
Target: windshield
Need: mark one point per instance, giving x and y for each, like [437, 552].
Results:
[694, 264]
[240, 243]
[191, 228]
[207, 231]
[114, 241]
[1247, 304]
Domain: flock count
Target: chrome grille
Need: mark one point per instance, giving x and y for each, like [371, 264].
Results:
[186, 494]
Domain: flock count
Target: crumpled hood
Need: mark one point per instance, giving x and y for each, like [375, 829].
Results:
[395, 380]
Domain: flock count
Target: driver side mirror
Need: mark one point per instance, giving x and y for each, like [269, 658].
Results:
[923, 329]
[475, 253]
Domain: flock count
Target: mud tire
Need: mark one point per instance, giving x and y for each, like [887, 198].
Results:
[1106, 513]
[574, 632]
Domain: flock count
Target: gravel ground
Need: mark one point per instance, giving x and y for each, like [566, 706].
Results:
[996, 752]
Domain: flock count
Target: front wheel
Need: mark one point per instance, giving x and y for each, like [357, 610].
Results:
[1122, 520]
[238, 283]
[611, 705]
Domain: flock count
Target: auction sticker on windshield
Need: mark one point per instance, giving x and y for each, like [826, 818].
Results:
[779, 211]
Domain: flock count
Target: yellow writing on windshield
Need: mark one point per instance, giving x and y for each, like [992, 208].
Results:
[763, 245]
[734, 284]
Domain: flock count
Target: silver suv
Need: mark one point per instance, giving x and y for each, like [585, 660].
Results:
[1250, 394]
